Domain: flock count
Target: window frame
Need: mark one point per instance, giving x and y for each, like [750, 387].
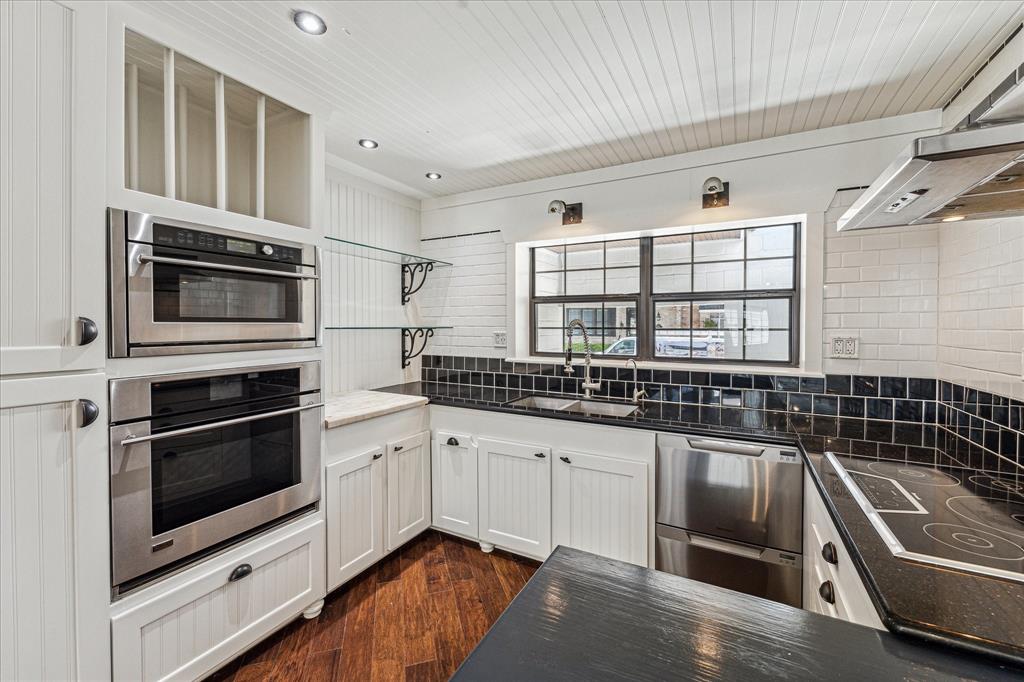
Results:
[646, 300]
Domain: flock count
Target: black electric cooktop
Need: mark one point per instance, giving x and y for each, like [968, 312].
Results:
[957, 518]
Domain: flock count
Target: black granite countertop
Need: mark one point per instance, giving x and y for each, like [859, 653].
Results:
[585, 617]
[971, 612]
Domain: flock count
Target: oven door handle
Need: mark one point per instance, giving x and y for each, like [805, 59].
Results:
[133, 440]
[144, 258]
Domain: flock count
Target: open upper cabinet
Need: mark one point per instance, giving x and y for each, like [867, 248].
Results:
[196, 135]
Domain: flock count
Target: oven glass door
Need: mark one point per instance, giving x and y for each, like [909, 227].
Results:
[178, 296]
[198, 475]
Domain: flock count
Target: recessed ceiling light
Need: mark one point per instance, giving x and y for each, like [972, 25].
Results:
[309, 22]
[367, 143]
[952, 218]
[433, 176]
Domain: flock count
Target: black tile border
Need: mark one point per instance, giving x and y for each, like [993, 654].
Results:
[973, 427]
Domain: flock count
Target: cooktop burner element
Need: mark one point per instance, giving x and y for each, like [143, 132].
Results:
[909, 473]
[951, 517]
[999, 485]
[974, 541]
[992, 513]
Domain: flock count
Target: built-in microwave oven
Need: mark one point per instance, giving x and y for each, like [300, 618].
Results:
[177, 287]
[199, 460]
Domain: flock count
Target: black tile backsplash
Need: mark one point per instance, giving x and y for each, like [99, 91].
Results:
[911, 415]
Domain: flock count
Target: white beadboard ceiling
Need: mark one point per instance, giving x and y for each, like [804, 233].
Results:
[491, 93]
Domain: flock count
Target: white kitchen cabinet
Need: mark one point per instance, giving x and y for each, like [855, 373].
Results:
[408, 484]
[600, 505]
[54, 547]
[52, 125]
[189, 624]
[355, 510]
[454, 483]
[515, 496]
[837, 578]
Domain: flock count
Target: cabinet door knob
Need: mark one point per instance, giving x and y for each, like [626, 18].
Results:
[452, 441]
[827, 592]
[829, 554]
[89, 411]
[378, 455]
[566, 460]
[87, 331]
[240, 572]
[396, 448]
[539, 454]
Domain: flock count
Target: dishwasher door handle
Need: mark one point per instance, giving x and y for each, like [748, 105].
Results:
[725, 546]
[730, 448]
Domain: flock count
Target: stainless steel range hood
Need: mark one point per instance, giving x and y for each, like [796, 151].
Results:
[974, 173]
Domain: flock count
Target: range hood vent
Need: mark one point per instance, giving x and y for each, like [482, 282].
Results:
[973, 174]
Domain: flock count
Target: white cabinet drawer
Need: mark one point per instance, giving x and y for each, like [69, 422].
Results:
[189, 624]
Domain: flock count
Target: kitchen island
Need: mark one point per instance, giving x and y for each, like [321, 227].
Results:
[585, 617]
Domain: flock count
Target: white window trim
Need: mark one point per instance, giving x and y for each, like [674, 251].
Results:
[812, 239]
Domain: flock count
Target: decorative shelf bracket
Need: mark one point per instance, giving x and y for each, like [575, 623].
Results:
[409, 274]
[410, 337]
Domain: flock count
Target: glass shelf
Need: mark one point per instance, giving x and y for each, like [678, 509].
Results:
[350, 248]
[393, 326]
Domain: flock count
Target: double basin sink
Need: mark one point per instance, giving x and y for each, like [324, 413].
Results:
[575, 405]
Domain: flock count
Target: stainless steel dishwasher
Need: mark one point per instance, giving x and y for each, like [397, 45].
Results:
[731, 514]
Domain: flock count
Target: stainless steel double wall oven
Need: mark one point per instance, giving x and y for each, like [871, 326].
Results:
[200, 459]
[177, 287]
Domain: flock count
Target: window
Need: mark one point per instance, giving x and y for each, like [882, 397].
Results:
[726, 296]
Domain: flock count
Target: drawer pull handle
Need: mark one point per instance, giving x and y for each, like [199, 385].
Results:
[378, 455]
[87, 331]
[240, 572]
[566, 460]
[88, 412]
[452, 441]
[539, 454]
[827, 592]
[396, 448]
[829, 554]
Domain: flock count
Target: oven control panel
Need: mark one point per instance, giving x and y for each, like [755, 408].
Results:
[197, 240]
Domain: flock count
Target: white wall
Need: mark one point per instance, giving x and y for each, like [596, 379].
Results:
[360, 289]
[881, 286]
[981, 305]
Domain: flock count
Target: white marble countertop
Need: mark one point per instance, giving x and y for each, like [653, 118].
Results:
[360, 405]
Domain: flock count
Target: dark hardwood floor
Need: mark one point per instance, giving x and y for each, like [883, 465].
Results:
[415, 616]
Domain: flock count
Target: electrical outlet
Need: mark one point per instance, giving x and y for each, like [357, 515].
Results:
[500, 339]
[843, 347]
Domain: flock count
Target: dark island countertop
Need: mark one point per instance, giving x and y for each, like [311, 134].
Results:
[973, 613]
[585, 617]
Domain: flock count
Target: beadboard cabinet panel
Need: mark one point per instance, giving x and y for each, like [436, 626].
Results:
[355, 515]
[51, 186]
[408, 472]
[600, 505]
[193, 622]
[54, 549]
[515, 496]
[454, 483]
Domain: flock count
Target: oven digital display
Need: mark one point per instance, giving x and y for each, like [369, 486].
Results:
[240, 246]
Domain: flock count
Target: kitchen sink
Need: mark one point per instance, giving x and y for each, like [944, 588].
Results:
[591, 407]
[544, 402]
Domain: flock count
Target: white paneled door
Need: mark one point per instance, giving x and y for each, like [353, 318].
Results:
[52, 219]
[355, 515]
[54, 548]
[454, 483]
[408, 472]
[515, 496]
[600, 505]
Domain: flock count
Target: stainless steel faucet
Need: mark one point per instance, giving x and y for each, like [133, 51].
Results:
[589, 385]
[638, 393]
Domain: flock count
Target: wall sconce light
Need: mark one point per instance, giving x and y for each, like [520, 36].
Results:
[572, 214]
[716, 193]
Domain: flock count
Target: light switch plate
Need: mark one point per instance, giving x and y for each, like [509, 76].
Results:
[500, 339]
[843, 347]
